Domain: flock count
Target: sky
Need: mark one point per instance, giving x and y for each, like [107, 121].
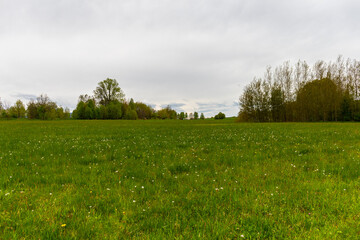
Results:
[191, 55]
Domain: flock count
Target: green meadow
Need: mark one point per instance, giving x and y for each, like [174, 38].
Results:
[177, 179]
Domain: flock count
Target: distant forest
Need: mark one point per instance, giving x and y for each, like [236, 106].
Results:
[323, 92]
[108, 102]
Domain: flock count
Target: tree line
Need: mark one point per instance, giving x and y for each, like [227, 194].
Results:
[108, 102]
[41, 108]
[322, 92]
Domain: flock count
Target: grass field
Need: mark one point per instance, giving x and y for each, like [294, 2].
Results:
[179, 180]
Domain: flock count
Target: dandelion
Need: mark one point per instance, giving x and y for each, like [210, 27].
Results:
[63, 225]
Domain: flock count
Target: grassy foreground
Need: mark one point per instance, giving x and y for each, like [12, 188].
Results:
[179, 179]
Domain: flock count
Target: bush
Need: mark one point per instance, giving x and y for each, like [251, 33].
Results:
[114, 110]
[357, 117]
[220, 115]
[131, 115]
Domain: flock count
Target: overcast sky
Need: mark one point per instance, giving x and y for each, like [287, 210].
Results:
[194, 55]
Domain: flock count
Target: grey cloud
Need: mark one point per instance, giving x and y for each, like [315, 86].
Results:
[152, 105]
[176, 106]
[173, 105]
[24, 96]
[165, 51]
[210, 109]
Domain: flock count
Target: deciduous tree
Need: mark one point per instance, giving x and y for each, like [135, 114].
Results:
[108, 91]
[196, 115]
